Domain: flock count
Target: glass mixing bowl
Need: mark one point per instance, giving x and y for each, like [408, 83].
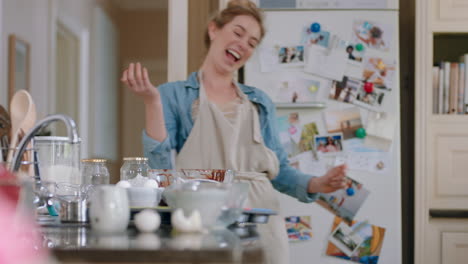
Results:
[207, 198]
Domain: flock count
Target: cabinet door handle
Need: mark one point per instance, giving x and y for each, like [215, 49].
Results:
[444, 213]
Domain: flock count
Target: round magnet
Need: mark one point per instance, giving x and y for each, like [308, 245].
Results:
[315, 27]
[380, 165]
[361, 133]
[359, 47]
[368, 87]
[350, 191]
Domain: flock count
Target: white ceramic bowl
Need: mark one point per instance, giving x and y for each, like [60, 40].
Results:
[144, 197]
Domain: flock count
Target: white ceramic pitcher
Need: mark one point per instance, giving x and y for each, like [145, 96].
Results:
[109, 209]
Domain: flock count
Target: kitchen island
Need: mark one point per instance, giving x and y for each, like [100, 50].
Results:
[78, 243]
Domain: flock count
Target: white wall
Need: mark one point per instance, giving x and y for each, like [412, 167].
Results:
[28, 20]
[104, 90]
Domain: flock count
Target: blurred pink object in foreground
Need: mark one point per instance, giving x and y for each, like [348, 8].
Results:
[20, 241]
[7, 185]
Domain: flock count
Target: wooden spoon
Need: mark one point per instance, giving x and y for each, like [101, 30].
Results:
[28, 123]
[23, 116]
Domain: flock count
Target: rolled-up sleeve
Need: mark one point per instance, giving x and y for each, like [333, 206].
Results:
[158, 153]
[294, 183]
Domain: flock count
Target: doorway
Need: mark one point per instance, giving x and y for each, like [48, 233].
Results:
[67, 55]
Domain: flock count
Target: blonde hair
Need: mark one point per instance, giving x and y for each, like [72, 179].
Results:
[236, 8]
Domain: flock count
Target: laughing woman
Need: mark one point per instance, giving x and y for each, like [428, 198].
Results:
[214, 122]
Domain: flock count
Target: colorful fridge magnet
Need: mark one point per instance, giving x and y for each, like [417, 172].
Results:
[361, 133]
[315, 27]
[368, 87]
[359, 47]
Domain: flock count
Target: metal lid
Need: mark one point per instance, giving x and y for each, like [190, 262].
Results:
[135, 159]
[94, 160]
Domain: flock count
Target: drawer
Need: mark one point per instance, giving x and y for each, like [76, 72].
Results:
[447, 155]
[454, 248]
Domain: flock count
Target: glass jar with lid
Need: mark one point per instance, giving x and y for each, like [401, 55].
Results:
[94, 172]
[134, 166]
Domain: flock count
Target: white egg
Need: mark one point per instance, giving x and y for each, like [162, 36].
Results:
[151, 184]
[124, 184]
[186, 224]
[147, 220]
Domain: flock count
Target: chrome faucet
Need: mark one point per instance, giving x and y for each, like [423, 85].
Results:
[71, 131]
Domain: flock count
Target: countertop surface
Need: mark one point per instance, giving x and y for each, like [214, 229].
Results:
[78, 243]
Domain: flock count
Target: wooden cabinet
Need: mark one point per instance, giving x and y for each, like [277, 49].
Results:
[449, 15]
[441, 150]
[447, 162]
[454, 247]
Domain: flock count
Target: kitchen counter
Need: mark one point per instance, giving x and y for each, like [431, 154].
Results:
[77, 243]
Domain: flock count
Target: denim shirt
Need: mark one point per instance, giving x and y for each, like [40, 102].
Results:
[177, 99]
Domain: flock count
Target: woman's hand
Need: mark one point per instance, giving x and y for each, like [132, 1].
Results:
[136, 79]
[333, 180]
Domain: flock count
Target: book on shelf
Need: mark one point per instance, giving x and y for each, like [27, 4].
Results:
[461, 88]
[450, 87]
[446, 67]
[464, 59]
[441, 91]
[453, 88]
[435, 89]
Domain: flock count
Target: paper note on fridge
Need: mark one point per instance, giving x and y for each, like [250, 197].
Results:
[375, 162]
[380, 130]
[329, 63]
[268, 59]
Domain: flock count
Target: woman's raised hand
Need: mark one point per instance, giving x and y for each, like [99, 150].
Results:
[135, 77]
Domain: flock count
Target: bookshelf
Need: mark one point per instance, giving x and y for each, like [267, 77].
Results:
[450, 54]
[441, 150]
[449, 46]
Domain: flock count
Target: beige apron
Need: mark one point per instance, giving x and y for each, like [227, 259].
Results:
[216, 143]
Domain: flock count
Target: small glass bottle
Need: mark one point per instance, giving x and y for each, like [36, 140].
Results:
[94, 172]
[134, 166]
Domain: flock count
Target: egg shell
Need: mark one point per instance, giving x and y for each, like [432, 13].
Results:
[186, 224]
[147, 221]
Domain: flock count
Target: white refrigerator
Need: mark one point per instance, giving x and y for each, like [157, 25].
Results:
[266, 70]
